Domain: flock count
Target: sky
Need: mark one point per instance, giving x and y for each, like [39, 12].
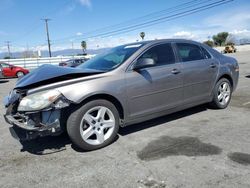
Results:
[75, 20]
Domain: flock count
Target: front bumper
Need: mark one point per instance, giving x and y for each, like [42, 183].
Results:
[25, 135]
[30, 125]
[27, 131]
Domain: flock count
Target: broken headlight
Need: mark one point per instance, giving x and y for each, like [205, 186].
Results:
[38, 101]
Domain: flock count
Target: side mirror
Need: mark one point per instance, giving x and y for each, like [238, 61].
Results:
[143, 63]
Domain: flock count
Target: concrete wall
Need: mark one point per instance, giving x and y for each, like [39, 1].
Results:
[32, 63]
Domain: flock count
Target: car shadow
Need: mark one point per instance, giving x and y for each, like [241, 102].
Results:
[248, 76]
[53, 144]
[3, 81]
[50, 145]
[46, 145]
[164, 119]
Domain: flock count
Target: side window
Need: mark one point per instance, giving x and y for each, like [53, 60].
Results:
[162, 54]
[205, 52]
[78, 61]
[189, 52]
[5, 65]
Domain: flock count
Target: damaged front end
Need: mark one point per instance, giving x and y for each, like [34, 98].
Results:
[34, 115]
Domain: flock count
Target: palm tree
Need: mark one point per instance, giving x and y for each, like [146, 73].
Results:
[84, 46]
[142, 35]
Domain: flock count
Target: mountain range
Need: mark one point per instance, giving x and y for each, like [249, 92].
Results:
[45, 53]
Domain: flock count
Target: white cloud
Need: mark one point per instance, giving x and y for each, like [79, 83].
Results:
[184, 35]
[86, 3]
[240, 31]
[78, 34]
[239, 36]
[237, 19]
[3, 49]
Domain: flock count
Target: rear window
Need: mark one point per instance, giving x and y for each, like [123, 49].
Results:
[189, 52]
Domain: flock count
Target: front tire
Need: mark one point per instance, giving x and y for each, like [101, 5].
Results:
[19, 74]
[222, 94]
[94, 125]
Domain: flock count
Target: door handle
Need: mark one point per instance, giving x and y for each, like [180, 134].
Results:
[175, 71]
[212, 65]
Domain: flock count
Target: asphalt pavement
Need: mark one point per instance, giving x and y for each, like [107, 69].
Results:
[198, 147]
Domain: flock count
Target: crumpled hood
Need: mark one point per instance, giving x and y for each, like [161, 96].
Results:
[49, 73]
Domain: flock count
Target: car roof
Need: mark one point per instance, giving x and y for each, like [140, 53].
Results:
[150, 42]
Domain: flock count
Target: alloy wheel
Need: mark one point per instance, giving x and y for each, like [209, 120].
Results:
[97, 125]
[224, 93]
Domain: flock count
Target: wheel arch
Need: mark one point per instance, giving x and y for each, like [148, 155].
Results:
[228, 77]
[109, 98]
[20, 71]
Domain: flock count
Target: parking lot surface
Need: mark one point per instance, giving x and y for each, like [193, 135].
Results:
[198, 147]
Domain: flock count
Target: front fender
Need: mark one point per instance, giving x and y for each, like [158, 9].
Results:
[79, 92]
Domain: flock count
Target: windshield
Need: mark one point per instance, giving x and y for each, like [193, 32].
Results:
[111, 59]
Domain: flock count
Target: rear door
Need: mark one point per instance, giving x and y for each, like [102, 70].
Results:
[156, 88]
[199, 71]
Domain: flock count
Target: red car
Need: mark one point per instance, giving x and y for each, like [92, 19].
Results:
[12, 71]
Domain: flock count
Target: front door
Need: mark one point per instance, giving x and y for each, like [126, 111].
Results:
[156, 88]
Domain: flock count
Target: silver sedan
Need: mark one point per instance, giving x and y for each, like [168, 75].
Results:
[126, 85]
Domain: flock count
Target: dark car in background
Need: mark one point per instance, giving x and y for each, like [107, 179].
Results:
[73, 62]
[11, 71]
[126, 85]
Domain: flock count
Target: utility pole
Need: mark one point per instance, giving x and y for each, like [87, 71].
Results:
[72, 43]
[47, 31]
[8, 46]
[27, 53]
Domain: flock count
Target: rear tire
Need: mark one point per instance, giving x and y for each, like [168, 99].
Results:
[221, 94]
[93, 125]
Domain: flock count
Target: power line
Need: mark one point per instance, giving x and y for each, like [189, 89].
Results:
[47, 31]
[164, 19]
[141, 18]
[156, 20]
[183, 13]
[148, 20]
[153, 14]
